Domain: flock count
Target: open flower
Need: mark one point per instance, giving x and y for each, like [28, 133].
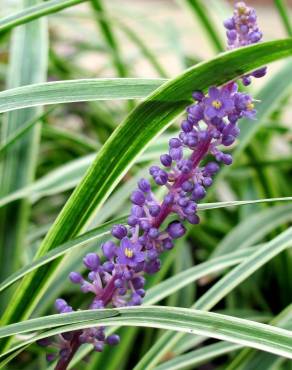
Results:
[218, 103]
[130, 253]
[244, 104]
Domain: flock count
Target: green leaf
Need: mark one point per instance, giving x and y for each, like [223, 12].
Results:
[236, 203]
[145, 50]
[77, 141]
[18, 134]
[33, 12]
[126, 143]
[256, 260]
[200, 10]
[250, 359]
[254, 228]
[199, 356]
[218, 291]
[77, 90]
[209, 352]
[283, 9]
[110, 38]
[179, 281]
[17, 167]
[239, 331]
[67, 177]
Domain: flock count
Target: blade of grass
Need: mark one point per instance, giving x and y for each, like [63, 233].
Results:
[128, 141]
[184, 278]
[53, 6]
[254, 228]
[239, 331]
[209, 352]
[283, 10]
[33, 12]
[21, 131]
[199, 356]
[67, 176]
[200, 10]
[145, 50]
[110, 38]
[248, 360]
[173, 284]
[218, 291]
[77, 91]
[29, 45]
[81, 142]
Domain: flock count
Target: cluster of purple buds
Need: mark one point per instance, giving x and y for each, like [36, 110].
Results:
[117, 278]
[243, 30]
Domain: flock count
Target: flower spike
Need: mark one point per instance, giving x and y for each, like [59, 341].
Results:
[117, 279]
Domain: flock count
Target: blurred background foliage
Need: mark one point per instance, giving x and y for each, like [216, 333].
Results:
[152, 38]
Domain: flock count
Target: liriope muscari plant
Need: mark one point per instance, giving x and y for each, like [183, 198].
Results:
[118, 278]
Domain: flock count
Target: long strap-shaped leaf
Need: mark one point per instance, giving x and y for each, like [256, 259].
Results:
[229, 282]
[209, 352]
[254, 228]
[218, 291]
[249, 359]
[284, 14]
[199, 356]
[270, 96]
[199, 8]
[235, 330]
[126, 143]
[78, 90]
[28, 64]
[33, 12]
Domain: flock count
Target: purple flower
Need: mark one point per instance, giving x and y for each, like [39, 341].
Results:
[218, 104]
[245, 105]
[130, 253]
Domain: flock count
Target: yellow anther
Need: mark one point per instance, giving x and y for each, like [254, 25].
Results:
[129, 253]
[250, 106]
[216, 104]
[241, 8]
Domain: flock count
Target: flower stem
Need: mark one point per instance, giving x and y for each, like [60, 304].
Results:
[74, 345]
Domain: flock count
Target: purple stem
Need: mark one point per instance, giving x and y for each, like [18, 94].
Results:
[74, 344]
[109, 290]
